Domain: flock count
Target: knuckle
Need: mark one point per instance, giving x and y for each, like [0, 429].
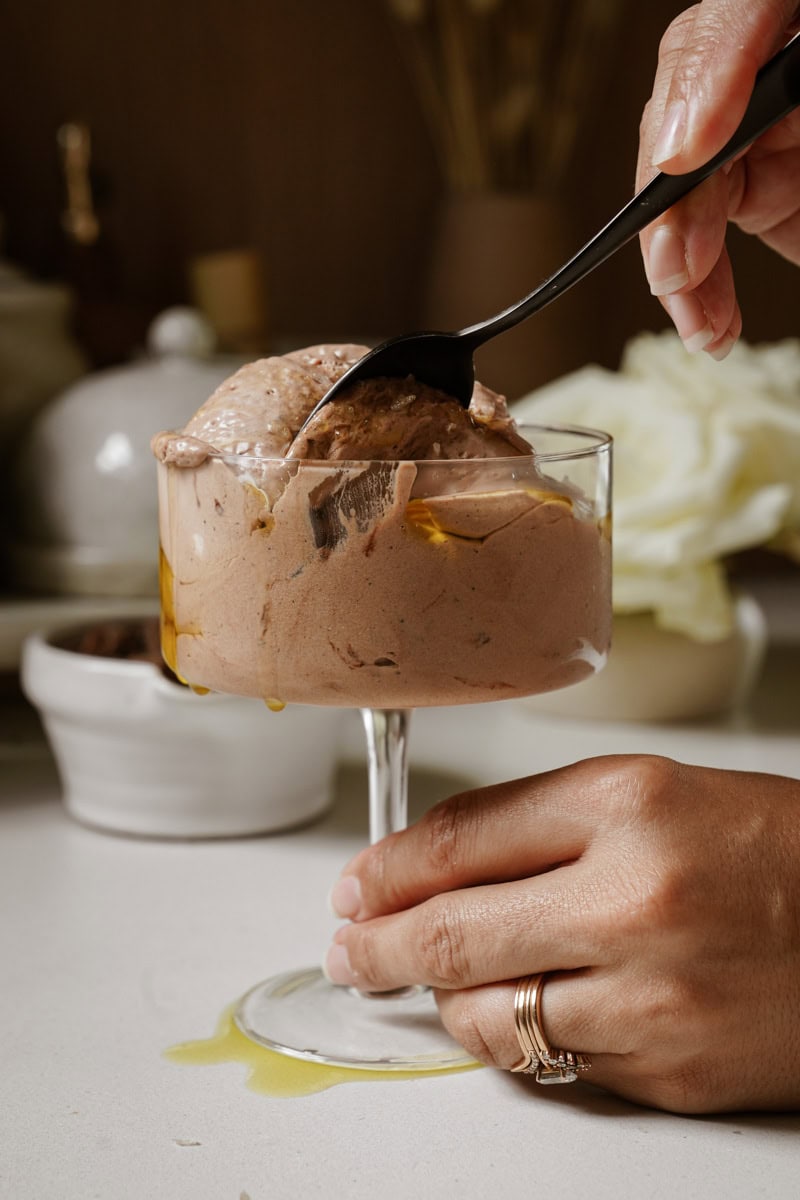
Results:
[664, 1005]
[639, 784]
[362, 948]
[447, 828]
[643, 901]
[441, 946]
[700, 36]
[383, 884]
[641, 888]
[676, 1017]
[675, 1014]
[646, 119]
[675, 37]
[466, 1021]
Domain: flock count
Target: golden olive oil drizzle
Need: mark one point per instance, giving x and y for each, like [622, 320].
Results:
[272, 1074]
[422, 521]
[169, 633]
[169, 626]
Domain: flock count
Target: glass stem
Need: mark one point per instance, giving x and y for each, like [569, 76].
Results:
[387, 760]
[387, 756]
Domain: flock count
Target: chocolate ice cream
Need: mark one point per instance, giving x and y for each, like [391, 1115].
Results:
[400, 552]
[261, 409]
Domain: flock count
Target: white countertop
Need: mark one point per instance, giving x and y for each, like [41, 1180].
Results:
[113, 949]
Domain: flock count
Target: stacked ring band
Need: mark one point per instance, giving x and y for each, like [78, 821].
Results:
[540, 1059]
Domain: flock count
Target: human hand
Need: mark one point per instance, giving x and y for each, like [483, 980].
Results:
[664, 898]
[707, 65]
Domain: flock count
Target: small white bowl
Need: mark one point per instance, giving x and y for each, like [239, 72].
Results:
[140, 754]
[656, 674]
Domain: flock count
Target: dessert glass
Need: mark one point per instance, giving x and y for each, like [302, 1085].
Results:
[384, 586]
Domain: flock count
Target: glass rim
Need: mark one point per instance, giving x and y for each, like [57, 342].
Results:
[598, 440]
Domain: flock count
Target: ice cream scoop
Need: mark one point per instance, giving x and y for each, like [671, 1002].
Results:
[262, 408]
[445, 360]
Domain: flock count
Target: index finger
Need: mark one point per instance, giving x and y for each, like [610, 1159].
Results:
[491, 835]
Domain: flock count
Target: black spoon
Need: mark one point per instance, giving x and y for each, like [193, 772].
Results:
[444, 360]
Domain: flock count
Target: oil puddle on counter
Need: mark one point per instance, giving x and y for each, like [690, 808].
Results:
[279, 1075]
[274, 1074]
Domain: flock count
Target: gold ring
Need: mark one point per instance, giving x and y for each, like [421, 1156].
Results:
[540, 1059]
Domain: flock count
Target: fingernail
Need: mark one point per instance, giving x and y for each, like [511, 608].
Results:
[673, 131]
[345, 897]
[690, 321]
[666, 262]
[336, 967]
[723, 349]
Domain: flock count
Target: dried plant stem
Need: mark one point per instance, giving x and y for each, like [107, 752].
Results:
[591, 22]
[504, 84]
[464, 108]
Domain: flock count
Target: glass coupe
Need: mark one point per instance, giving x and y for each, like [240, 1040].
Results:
[384, 586]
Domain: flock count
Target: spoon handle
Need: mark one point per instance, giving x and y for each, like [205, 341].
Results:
[775, 94]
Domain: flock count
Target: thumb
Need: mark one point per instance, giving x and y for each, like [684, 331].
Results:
[708, 62]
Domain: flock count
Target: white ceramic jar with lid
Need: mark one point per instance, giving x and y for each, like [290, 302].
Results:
[84, 487]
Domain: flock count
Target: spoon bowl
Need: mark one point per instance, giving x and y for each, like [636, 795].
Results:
[441, 360]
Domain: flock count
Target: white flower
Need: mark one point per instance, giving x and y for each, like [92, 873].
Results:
[706, 462]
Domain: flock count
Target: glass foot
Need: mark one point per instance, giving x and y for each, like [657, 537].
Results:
[303, 1015]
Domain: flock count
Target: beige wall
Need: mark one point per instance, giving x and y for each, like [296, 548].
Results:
[291, 127]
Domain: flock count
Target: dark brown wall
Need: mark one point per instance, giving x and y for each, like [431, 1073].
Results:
[291, 127]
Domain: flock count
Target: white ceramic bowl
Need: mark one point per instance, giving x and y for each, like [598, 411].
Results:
[139, 754]
[657, 675]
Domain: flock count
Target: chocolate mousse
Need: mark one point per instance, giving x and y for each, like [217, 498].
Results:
[400, 551]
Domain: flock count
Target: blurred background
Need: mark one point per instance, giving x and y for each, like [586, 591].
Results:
[297, 131]
[294, 172]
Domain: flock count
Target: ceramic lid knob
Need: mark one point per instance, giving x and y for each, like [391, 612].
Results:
[183, 332]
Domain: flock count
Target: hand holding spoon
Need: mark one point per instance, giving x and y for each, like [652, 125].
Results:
[445, 360]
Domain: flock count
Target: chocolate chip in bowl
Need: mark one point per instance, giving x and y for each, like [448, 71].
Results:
[140, 753]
